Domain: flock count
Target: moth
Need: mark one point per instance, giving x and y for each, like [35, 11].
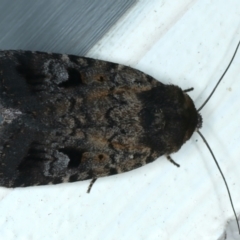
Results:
[67, 118]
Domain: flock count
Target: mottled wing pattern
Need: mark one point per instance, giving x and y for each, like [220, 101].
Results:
[69, 118]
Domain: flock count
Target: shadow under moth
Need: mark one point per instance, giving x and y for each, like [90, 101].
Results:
[65, 118]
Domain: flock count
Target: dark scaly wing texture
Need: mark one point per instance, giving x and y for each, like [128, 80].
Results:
[69, 118]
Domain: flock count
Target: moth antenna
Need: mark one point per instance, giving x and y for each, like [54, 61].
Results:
[209, 148]
[219, 79]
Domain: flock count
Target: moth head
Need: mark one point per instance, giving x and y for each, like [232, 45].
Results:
[199, 121]
[192, 118]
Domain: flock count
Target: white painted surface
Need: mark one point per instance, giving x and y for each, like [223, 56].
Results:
[187, 43]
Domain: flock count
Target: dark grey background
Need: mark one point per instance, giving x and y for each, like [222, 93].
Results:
[62, 26]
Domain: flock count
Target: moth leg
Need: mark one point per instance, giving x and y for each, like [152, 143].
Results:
[188, 89]
[91, 184]
[172, 161]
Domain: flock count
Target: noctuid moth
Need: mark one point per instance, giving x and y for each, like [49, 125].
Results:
[67, 118]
